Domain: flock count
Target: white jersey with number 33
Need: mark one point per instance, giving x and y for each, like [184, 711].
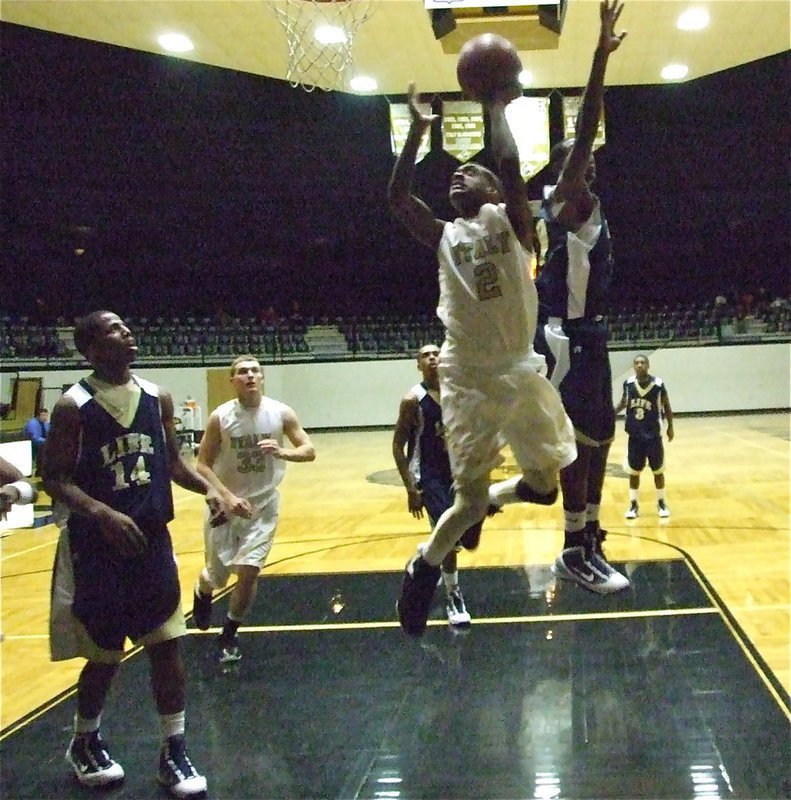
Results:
[488, 301]
[240, 464]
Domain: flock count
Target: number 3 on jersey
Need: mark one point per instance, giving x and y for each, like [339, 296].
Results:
[139, 475]
[486, 283]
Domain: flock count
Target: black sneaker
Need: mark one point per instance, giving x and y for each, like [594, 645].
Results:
[201, 609]
[230, 651]
[417, 591]
[633, 511]
[662, 508]
[91, 762]
[596, 535]
[176, 772]
[591, 572]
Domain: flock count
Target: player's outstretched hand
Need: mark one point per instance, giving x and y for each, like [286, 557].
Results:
[504, 94]
[609, 40]
[419, 119]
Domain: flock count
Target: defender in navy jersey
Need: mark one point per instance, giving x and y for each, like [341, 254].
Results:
[111, 455]
[572, 289]
[646, 402]
[425, 470]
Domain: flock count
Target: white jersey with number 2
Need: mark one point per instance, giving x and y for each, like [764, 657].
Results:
[488, 301]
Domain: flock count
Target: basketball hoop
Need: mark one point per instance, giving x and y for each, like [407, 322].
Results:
[320, 34]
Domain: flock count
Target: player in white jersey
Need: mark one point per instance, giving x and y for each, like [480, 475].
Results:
[493, 388]
[243, 449]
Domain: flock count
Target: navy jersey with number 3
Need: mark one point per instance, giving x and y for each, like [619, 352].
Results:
[644, 406]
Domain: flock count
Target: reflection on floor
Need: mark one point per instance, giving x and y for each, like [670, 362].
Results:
[553, 693]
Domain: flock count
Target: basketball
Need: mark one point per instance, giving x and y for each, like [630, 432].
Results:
[487, 63]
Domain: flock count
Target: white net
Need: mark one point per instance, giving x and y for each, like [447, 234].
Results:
[320, 35]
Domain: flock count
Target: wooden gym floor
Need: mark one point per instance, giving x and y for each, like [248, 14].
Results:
[331, 700]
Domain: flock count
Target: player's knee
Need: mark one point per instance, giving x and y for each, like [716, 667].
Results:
[212, 579]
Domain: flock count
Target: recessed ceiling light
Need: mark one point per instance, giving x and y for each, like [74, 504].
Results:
[674, 72]
[362, 83]
[525, 77]
[176, 42]
[329, 34]
[693, 19]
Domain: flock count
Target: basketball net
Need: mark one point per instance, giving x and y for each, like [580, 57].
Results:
[313, 63]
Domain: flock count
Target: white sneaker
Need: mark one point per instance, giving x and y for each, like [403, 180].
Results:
[458, 616]
[595, 574]
[176, 772]
[91, 761]
[664, 511]
[633, 511]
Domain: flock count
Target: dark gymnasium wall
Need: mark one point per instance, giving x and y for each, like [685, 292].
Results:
[193, 188]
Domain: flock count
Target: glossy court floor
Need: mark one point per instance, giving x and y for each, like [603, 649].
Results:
[552, 693]
[676, 688]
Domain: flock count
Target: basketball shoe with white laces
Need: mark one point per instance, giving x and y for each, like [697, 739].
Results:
[229, 650]
[633, 511]
[92, 764]
[662, 509]
[176, 772]
[588, 567]
[458, 616]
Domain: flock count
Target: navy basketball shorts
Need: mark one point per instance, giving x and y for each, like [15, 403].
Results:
[119, 597]
[640, 450]
[586, 389]
[437, 497]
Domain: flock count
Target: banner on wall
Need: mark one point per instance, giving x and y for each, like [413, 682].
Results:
[463, 130]
[571, 110]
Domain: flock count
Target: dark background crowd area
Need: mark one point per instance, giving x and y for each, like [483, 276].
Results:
[159, 187]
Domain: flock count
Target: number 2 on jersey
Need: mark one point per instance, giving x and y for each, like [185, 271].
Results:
[486, 281]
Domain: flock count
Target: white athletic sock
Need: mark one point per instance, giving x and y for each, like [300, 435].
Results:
[82, 725]
[632, 495]
[574, 520]
[592, 512]
[451, 581]
[660, 494]
[171, 724]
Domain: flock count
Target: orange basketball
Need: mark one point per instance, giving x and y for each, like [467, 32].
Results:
[487, 63]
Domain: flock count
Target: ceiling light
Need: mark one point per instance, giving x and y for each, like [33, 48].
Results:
[330, 34]
[362, 83]
[674, 72]
[693, 19]
[525, 77]
[176, 42]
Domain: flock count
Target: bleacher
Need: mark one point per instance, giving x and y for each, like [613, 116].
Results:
[215, 340]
